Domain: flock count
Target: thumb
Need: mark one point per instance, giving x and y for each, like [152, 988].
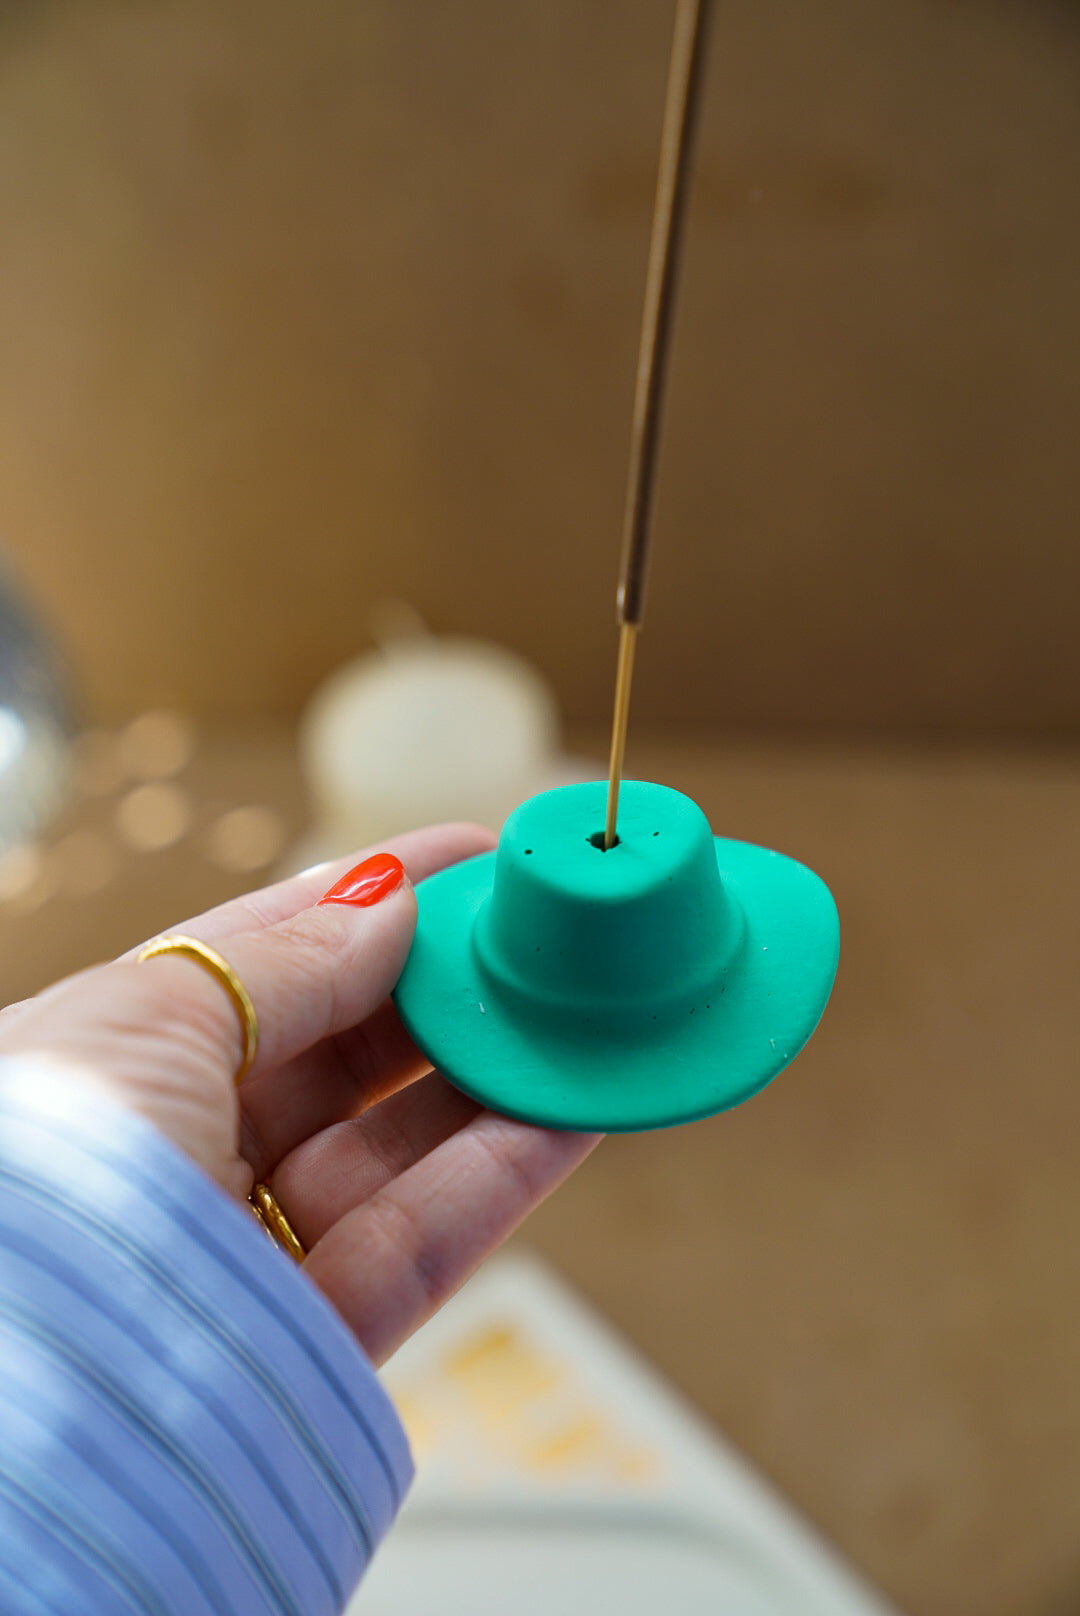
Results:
[314, 974]
[326, 969]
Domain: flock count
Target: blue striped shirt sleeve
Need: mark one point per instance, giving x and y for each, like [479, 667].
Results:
[186, 1426]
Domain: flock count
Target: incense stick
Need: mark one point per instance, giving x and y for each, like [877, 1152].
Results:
[672, 187]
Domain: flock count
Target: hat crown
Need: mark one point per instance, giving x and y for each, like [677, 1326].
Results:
[641, 926]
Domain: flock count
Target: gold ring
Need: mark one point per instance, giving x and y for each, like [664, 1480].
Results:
[275, 1222]
[222, 971]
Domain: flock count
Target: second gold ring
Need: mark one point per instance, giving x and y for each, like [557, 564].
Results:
[275, 1222]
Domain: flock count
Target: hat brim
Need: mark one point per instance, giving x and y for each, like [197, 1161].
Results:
[597, 1073]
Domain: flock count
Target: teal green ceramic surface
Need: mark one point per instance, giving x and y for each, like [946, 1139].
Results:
[668, 978]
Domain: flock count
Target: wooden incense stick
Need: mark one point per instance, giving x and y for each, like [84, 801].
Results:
[672, 187]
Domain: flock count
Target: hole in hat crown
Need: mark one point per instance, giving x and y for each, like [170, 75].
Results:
[636, 934]
[599, 838]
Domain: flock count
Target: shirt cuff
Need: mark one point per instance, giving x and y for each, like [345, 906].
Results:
[185, 1423]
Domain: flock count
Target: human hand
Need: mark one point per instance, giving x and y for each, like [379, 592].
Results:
[397, 1184]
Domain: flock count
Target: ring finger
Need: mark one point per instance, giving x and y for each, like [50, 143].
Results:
[332, 1173]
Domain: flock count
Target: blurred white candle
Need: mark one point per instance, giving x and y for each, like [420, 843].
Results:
[424, 729]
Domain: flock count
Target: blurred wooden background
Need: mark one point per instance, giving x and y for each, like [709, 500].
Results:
[307, 305]
[304, 305]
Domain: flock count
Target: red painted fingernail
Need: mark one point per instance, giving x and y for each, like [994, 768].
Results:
[368, 883]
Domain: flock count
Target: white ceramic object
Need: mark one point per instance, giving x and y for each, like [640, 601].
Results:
[425, 729]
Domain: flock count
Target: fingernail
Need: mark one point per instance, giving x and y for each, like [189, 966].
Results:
[368, 883]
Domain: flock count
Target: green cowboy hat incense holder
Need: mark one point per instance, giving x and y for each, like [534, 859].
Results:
[663, 980]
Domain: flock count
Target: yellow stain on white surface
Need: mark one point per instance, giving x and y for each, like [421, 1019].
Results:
[500, 1398]
[592, 1446]
[581, 1441]
[500, 1371]
[638, 1467]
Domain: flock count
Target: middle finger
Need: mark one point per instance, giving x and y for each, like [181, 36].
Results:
[334, 1172]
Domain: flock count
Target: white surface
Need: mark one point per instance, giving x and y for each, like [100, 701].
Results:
[558, 1473]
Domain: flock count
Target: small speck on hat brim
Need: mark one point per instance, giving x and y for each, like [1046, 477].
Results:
[602, 1051]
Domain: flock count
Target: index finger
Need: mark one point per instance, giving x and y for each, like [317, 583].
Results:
[421, 851]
